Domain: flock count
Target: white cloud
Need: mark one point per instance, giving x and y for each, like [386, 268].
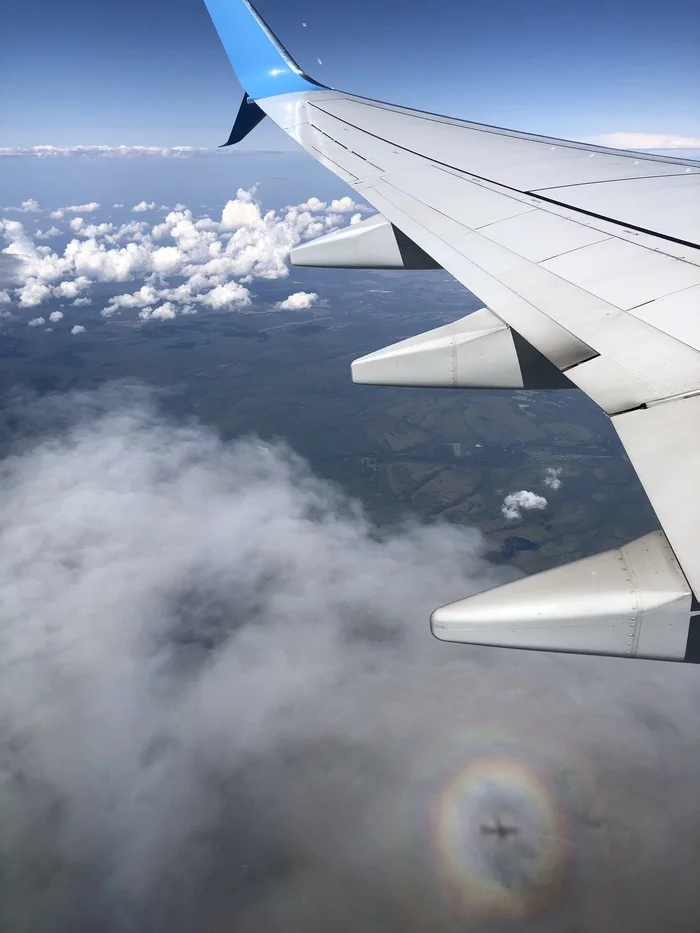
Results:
[551, 477]
[146, 295]
[117, 205]
[514, 503]
[96, 230]
[81, 302]
[165, 312]
[633, 140]
[30, 206]
[299, 301]
[36, 322]
[126, 152]
[33, 293]
[56, 316]
[312, 204]
[71, 289]
[77, 328]
[243, 212]
[167, 260]
[155, 659]
[143, 206]
[5, 297]
[88, 208]
[231, 294]
[214, 668]
[135, 230]
[46, 234]
[183, 261]
[344, 205]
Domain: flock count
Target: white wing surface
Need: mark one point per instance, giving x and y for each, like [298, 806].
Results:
[587, 261]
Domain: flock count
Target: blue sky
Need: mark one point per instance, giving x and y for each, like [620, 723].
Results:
[154, 73]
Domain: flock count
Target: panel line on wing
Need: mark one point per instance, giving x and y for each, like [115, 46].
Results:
[343, 146]
[324, 158]
[608, 181]
[445, 120]
[534, 193]
[619, 223]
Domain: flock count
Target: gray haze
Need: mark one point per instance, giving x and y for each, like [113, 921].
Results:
[10, 269]
[221, 709]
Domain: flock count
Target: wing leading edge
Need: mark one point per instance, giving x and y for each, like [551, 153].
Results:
[587, 256]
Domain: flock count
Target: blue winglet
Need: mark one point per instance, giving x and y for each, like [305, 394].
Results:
[262, 64]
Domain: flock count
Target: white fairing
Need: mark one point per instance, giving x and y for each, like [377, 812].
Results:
[630, 602]
[369, 244]
[475, 352]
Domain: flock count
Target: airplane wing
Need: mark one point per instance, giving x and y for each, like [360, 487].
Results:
[587, 260]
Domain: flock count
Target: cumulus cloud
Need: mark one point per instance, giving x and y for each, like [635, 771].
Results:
[77, 328]
[30, 206]
[312, 204]
[143, 206]
[88, 208]
[516, 502]
[222, 709]
[33, 293]
[230, 294]
[126, 152]
[47, 234]
[344, 205]
[551, 477]
[634, 140]
[36, 322]
[298, 301]
[165, 312]
[56, 316]
[182, 261]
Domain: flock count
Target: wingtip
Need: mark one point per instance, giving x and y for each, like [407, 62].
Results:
[262, 64]
[248, 117]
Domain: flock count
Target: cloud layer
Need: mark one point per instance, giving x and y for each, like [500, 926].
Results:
[222, 709]
[124, 152]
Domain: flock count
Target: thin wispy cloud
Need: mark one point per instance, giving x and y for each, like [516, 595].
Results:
[633, 140]
[552, 477]
[30, 206]
[88, 208]
[126, 152]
